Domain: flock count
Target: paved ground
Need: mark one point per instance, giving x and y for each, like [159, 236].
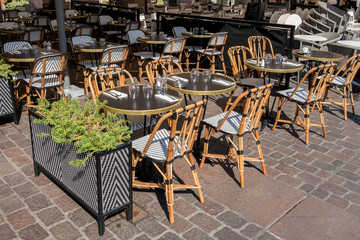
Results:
[310, 192]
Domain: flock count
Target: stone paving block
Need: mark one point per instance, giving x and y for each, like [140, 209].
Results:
[326, 158]
[20, 219]
[50, 216]
[151, 227]
[92, 232]
[311, 179]
[353, 197]
[307, 187]
[21, 160]
[13, 152]
[38, 202]
[227, 233]
[32, 232]
[65, 203]
[184, 208]
[157, 211]
[289, 180]
[323, 174]
[64, 231]
[352, 186]
[142, 198]
[26, 190]
[137, 213]
[5, 191]
[6, 169]
[210, 207]
[232, 220]
[6, 232]
[23, 143]
[52, 191]
[338, 190]
[16, 136]
[315, 219]
[180, 224]
[337, 180]
[354, 210]
[28, 170]
[9, 130]
[170, 236]
[268, 236]
[10, 204]
[271, 172]
[28, 151]
[3, 159]
[305, 167]
[205, 222]
[80, 217]
[320, 193]
[349, 175]
[287, 169]
[41, 180]
[15, 179]
[123, 229]
[6, 144]
[196, 233]
[338, 201]
[251, 230]
[142, 237]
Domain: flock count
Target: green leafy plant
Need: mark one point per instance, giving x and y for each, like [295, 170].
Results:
[5, 69]
[17, 3]
[86, 126]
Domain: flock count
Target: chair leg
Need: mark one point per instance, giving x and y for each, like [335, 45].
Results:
[212, 68]
[187, 62]
[196, 178]
[206, 146]
[344, 102]
[278, 113]
[257, 138]
[223, 63]
[307, 123]
[240, 161]
[352, 99]
[28, 99]
[198, 60]
[140, 70]
[86, 85]
[169, 188]
[322, 118]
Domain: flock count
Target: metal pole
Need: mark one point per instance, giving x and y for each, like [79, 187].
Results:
[259, 11]
[59, 6]
[146, 6]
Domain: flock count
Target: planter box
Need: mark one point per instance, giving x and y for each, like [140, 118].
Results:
[7, 103]
[103, 186]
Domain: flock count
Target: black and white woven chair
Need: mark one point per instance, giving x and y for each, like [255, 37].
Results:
[34, 36]
[172, 50]
[84, 31]
[236, 125]
[137, 50]
[47, 73]
[215, 48]
[112, 59]
[177, 32]
[343, 81]
[11, 15]
[42, 22]
[104, 28]
[130, 26]
[307, 100]
[164, 146]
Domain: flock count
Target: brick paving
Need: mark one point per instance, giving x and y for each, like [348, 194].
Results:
[310, 192]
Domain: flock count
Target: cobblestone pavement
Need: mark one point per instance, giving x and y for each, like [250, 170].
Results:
[310, 192]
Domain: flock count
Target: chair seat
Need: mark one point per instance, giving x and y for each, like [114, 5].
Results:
[253, 82]
[111, 33]
[94, 68]
[146, 55]
[87, 63]
[230, 126]
[140, 125]
[166, 57]
[158, 147]
[20, 74]
[209, 52]
[340, 81]
[192, 48]
[52, 80]
[300, 96]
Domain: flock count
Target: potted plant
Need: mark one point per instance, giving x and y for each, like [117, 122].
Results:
[86, 153]
[7, 102]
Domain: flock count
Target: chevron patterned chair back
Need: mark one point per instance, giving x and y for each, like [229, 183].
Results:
[166, 145]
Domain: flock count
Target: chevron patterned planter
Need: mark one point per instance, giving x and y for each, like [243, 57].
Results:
[7, 103]
[102, 187]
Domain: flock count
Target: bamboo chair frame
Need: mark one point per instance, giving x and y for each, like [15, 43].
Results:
[182, 139]
[320, 79]
[214, 46]
[255, 100]
[166, 66]
[170, 49]
[41, 92]
[258, 45]
[345, 90]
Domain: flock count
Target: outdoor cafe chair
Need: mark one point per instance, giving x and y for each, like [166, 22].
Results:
[104, 28]
[41, 21]
[342, 81]
[260, 46]
[137, 50]
[11, 15]
[236, 125]
[161, 67]
[129, 26]
[34, 36]
[166, 145]
[215, 48]
[307, 100]
[47, 73]
[111, 59]
[84, 31]
[172, 50]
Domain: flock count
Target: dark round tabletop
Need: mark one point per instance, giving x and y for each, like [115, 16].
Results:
[273, 65]
[218, 84]
[318, 55]
[17, 30]
[26, 56]
[192, 35]
[96, 47]
[140, 105]
[153, 39]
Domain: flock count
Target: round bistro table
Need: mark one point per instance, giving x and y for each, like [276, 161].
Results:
[28, 56]
[318, 56]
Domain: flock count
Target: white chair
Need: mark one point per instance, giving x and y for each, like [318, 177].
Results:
[275, 17]
[305, 14]
[283, 18]
[70, 13]
[294, 20]
[299, 11]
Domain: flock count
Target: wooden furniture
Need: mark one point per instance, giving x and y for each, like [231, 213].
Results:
[26, 56]
[342, 81]
[318, 55]
[161, 67]
[260, 45]
[307, 100]
[96, 47]
[236, 125]
[215, 48]
[163, 146]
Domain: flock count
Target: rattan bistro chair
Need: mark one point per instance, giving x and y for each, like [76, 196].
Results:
[342, 81]
[161, 67]
[307, 100]
[47, 73]
[172, 50]
[215, 48]
[234, 124]
[164, 146]
[34, 36]
[260, 46]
